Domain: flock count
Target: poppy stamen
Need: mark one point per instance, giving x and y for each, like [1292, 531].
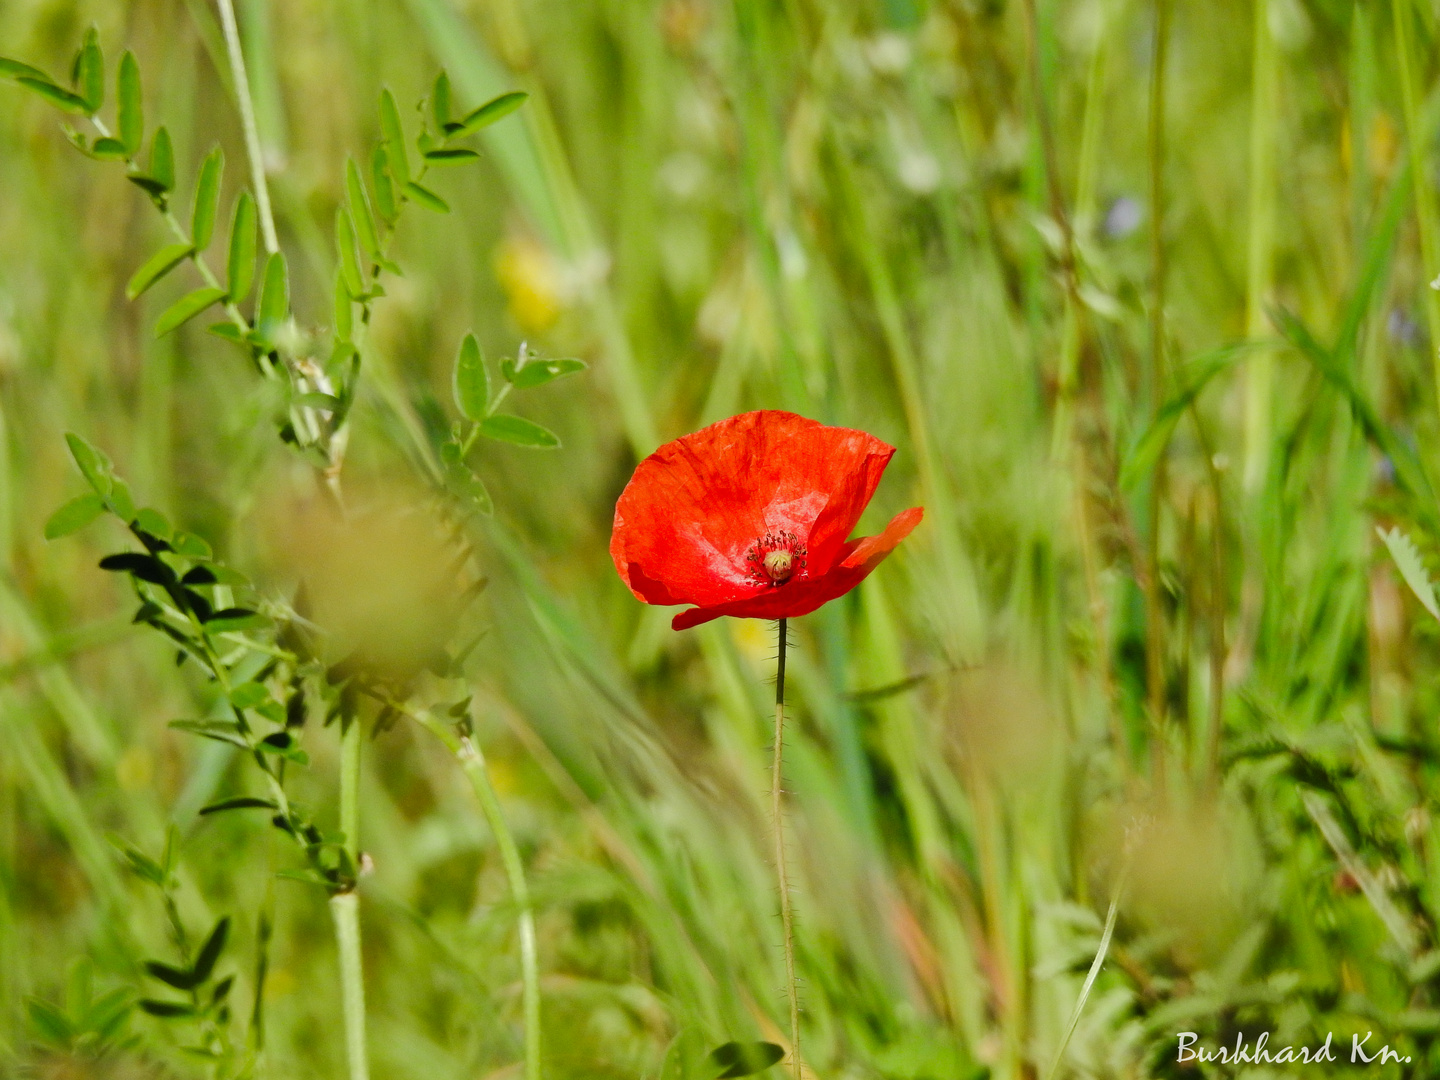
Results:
[777, 557]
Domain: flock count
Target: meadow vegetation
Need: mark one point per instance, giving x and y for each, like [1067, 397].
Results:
[1138, 288]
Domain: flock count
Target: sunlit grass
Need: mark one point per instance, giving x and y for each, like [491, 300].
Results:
[850, 211]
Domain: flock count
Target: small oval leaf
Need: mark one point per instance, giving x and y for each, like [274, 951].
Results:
[207, 199]
[240, 263]
[487, 114]
[74, 516]
[156, 267]
[360, 212]
[60, 98]
[130, 108]
[186, 308]
[393, 133]
[162, 160]
[426, 198]
[454, 156]
[472, 380]
[518, 431]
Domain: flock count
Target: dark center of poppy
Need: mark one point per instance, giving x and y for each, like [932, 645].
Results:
[775, 558]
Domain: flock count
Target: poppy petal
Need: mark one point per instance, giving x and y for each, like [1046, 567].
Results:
[804, 596]
[695, 509]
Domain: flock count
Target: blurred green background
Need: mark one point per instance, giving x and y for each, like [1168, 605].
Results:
[1008, 236]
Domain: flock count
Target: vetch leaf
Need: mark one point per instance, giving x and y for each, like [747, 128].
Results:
[74, 516]
[233, 619]
[540, 372]
[495, 109]
[274, 305]
[426, 198]
[130, 108]
[172, 976]
[162, 160]
[166, 1009]
[466, 486]
[207, 199]
[393, 135]
[472, 380]
[186, 308]
[243, 802]
[518, 431]
[385, 203]
[1407, 559]
[451, 156]
[15, 70]
[248, 694]
[147, 184]
[156, 267]
[191, 546]
[240, 263]
[440, 100]
[211, 950]
[90, 72]
[744, 1058]
[349, 258]
[360, 212]
[154, 524]
[109, 150]
[138, 565]
[93, 464]
[57, 96]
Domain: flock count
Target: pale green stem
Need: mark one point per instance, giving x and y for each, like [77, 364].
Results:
[350, 791]
[247, 124]
[1402, 14]
[345, 907]
[473, 762]
[1264, 123]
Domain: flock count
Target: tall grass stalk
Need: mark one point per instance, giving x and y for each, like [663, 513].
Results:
[246, 105]
[1155, 667]
[1260, 256]
[1402, 13]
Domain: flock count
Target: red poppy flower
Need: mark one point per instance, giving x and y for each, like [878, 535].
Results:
[749, 517]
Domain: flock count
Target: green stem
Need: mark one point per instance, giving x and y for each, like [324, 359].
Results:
[1154, 610]
[345, 908]
[473, 762]
[1425, 210]
[1260, 258]
[777, 806]
[350, 791]
[247, 123]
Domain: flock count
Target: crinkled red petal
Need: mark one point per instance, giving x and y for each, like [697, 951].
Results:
[696, 507]
[789, 601]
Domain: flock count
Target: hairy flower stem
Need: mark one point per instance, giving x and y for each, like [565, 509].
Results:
[247, 123]
[345, 908]
[473, 763]
[778, 811]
